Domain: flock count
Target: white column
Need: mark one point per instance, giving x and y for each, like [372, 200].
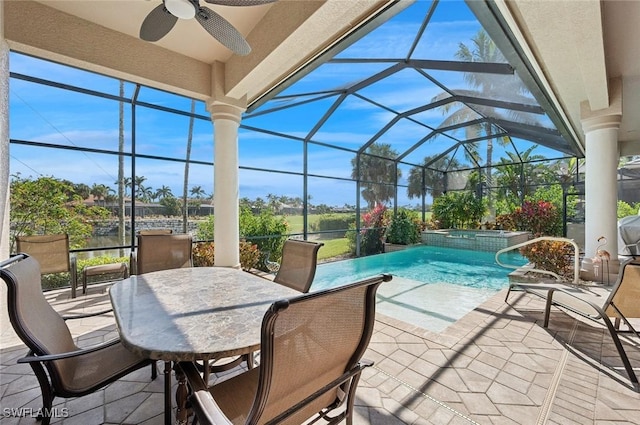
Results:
[601, 190]
[226, 120]
[4, 141]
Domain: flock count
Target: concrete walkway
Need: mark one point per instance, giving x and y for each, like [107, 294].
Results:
[496, 365]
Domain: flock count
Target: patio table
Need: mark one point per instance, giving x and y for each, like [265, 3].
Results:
[192, 314]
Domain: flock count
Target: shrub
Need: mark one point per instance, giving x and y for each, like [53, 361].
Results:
[458, 210]
[265, 230]
[204, 255]
[60, 280]
[403, 229]
[338, 222]
[625, 210]
[373, 223]
[539, 218]
[553, 256]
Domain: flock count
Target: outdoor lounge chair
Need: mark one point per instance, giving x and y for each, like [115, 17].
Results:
[622, 304]
[70, 371]
[52, 253]
[298, 265]
[161, 251]
[311, 348]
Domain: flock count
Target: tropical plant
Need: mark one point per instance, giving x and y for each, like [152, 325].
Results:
[44, 206]
[376, 170]
[172, 207]
[198, 192]
[517, 177]
[483, 49]
[625, 210]
[373, 229]
[541, 218]
[265, 230]
[403, 228]
[553, 256]
[458, 210]
[434, 182]
[204, 255]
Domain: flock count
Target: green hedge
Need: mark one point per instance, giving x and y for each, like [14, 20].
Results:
[338, 222]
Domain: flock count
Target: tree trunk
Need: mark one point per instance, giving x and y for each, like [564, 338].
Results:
[185, 186]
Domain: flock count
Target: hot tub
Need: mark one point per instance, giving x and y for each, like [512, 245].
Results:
[477, 240]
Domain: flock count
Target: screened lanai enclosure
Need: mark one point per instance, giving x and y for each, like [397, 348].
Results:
[428, 103]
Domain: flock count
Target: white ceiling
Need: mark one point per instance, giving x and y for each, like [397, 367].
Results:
[187, 37]
[103, 36]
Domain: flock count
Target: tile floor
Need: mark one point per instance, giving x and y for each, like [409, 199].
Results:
[496, 365]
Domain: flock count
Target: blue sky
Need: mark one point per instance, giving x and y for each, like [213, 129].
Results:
[51, 115]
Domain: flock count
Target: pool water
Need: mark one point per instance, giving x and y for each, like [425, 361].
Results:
[428, 264]
[432, 287]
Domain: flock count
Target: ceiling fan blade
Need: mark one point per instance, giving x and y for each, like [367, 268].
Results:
[240, 2]
[223, 31]
[157, 24]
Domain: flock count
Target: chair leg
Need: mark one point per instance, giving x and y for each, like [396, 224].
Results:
[47, 393]
[154, 370]
[623, 355]
[250, 360]
[506, 298]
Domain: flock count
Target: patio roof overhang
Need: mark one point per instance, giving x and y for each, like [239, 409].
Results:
[102, 36]
[567, 52]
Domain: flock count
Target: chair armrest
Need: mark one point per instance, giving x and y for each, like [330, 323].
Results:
[85, 315]
[207, 410]
[67, 355]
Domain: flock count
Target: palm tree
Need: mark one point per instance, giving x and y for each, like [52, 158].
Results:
[273, 202]
[517, 176]
[198, 192]
[434, 182]
[99, 191]
[126, 183]
[163, 192]
[185, 185]
[377, 173]
[483, 50]
[140, 189]
[82, 190]
[122, 181]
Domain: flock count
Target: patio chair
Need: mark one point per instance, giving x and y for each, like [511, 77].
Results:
[622, 304]
[298, 265]
[161, 251]
[52, 252]
[70, 371]
[311, 348]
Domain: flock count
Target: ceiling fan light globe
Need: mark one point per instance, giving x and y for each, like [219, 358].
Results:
[182, 9]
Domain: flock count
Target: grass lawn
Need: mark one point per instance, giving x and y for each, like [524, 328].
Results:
[333, 248]
[296, 223]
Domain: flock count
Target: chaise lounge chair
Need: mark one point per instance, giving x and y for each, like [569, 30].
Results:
[622, 304]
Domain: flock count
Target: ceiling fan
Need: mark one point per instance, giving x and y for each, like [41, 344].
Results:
[162, 18]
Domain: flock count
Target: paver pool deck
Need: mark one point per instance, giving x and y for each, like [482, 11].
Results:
[495, 365]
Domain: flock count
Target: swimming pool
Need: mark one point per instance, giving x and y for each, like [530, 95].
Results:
[432, 287]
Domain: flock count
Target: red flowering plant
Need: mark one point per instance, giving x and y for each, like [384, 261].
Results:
[540, 218]
[373, 230]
